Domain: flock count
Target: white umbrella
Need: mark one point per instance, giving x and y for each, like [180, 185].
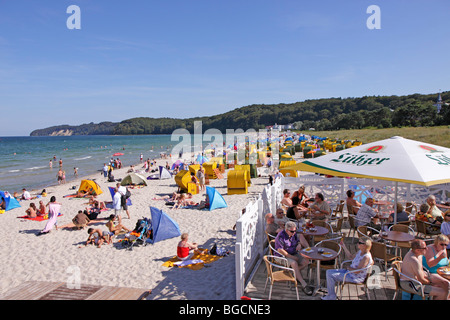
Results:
[394, 159]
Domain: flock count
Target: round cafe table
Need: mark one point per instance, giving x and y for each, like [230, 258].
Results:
[397, 236]
[444, 272]
[383, 218]
[313, 254]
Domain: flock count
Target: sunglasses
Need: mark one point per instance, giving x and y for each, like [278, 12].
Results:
[422, 248]
[293, 231]
[361, 243]
[443, 244]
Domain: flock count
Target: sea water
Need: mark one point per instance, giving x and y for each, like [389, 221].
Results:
[24, 161]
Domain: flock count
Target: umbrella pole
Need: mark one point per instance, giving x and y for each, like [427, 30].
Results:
[395, 203]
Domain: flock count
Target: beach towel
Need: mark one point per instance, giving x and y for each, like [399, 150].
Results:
[193, 263]
[38, 218]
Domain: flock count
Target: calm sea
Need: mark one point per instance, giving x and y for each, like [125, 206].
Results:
[24, 161]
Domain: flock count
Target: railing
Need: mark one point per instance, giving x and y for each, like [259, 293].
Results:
[250, 234]
[334, 189]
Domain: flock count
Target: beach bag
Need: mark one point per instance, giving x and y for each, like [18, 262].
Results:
[213, 249]
[127, 194]
[221, 252]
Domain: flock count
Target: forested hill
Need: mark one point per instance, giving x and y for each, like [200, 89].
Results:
[322, 114]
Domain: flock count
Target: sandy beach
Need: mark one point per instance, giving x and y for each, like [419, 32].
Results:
[54, 256]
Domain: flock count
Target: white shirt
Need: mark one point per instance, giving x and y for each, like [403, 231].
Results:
[122, 190]
[26, 195]
[117, 203]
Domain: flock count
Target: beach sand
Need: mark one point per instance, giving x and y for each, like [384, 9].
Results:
[56, 256]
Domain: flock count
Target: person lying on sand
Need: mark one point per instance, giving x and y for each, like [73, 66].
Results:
[183, 202]
[93, 201]
[97, 237]
[175, 196]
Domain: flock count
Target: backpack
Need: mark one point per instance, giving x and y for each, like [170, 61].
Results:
[221, 252]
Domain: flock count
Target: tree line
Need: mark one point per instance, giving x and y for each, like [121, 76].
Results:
[414, 110]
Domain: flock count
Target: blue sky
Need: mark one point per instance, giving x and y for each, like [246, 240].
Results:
[186, 58]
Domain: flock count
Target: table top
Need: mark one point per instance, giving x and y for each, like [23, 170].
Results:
[382, 216]
[320, 231]
[313, 254]
[398, 236]
[444, 272]
[382, 203]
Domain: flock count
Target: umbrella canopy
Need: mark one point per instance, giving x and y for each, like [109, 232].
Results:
[201, 159]
[117, 154]
[394, 159]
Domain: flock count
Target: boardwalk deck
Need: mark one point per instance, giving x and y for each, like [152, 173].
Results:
[380, 288]
[41, 290]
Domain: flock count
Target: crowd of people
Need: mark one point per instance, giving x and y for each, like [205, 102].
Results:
[282, 227]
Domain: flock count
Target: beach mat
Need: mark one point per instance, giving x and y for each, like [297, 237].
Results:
[201, 260]
[38, 218]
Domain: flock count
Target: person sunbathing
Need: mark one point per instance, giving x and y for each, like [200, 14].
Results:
[32, 211]
[82, 194]
[93, 201]
[42, 211]
[181, 202]
[98, 237]
[186, 250]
